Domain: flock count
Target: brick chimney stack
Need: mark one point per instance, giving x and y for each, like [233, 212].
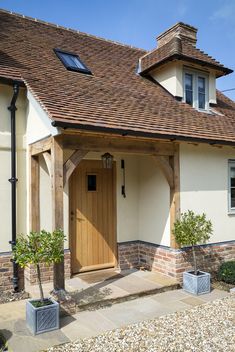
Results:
[179, 30]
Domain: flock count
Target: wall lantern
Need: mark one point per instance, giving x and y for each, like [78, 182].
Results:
[107, 160]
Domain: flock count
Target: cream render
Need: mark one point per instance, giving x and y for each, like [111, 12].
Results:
[171, 77]
[5, 170]
[204, 186]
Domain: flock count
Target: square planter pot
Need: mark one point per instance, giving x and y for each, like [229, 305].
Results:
[196, 284]
[42, 319]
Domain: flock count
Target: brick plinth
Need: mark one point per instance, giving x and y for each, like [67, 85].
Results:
[128, 254]
[30, 272]
[173, 262]
[6, 273]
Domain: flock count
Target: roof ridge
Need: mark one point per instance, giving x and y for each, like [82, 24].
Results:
[68, 29]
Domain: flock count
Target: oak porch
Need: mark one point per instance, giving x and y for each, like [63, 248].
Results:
[164, 153]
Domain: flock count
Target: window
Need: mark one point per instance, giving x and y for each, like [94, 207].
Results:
[189, 88]
[196, 90]
[72, 61]
[91, 183]
[231, 190]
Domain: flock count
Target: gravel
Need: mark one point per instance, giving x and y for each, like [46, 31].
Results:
[206, 328]
[11, 296]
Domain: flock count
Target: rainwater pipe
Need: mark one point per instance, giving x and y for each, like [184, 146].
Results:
[13, 180]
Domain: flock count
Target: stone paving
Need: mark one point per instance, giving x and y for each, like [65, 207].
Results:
[92, 323]
[110, 285]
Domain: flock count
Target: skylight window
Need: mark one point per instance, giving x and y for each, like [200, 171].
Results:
[72, 61]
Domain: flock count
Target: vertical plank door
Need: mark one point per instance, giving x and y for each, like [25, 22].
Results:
[92, 217]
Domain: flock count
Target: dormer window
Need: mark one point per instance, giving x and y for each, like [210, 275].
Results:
[72, 61]
[196, 90]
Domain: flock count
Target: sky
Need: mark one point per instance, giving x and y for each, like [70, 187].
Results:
[138, 22]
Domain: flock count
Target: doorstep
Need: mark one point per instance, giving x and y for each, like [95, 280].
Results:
[104, 287]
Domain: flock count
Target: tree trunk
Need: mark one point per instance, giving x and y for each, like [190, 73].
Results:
[194, 260]
[40, 283]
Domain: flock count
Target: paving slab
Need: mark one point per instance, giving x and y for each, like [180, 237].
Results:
[86, 324]
[193, 301]
[214, 294]
[12, 311]
[160, 279]
[20, 339]
[132, 285]
[168, 296]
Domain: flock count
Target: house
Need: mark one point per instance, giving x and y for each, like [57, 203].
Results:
[112, 144]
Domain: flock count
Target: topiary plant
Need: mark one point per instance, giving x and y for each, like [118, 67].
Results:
[226, 272]
[192, 229]
[39, 247]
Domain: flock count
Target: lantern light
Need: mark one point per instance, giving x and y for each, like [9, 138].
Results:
[107, 160]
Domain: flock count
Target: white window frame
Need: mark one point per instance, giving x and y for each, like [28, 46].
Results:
[231, 163]
[195, 74]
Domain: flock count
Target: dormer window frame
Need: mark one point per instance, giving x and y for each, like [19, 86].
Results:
[196, 75]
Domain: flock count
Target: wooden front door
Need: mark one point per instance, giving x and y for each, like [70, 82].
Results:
[92, 217]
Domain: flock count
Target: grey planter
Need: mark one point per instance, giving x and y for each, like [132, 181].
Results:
[42, 319]
[196, 284]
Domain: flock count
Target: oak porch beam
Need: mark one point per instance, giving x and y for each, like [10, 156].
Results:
[164, 164]
[41, 146]
[71, 164]
[47, 159]
[123, 145]
[57, 203]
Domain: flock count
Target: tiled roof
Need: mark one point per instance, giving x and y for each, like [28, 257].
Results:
[114, 98]
[181, 50]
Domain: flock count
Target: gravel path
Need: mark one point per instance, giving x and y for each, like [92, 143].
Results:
[206, 328]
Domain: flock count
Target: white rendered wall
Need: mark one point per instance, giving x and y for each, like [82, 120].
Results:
[170, 77]
[154, 203]
[38, 123]
[204, 186]
[6, 93]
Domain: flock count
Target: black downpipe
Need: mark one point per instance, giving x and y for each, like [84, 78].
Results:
[13, 180]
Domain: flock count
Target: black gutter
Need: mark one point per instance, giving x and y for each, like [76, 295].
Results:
[13, 180]
[122, 132]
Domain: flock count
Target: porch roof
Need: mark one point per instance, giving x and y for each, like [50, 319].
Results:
[114, 97]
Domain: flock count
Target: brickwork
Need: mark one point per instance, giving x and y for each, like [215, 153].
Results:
[6, 273]
[47, 271]
[128, 255]
[29, 274]
[174, 262]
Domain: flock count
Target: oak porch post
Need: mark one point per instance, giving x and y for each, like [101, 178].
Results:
[57, 203]
[174, 194]
[34, 208]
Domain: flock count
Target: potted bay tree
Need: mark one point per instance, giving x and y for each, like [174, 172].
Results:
[36, 248]
[191, 230]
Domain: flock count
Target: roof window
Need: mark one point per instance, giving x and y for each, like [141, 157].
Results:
[72, 61]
